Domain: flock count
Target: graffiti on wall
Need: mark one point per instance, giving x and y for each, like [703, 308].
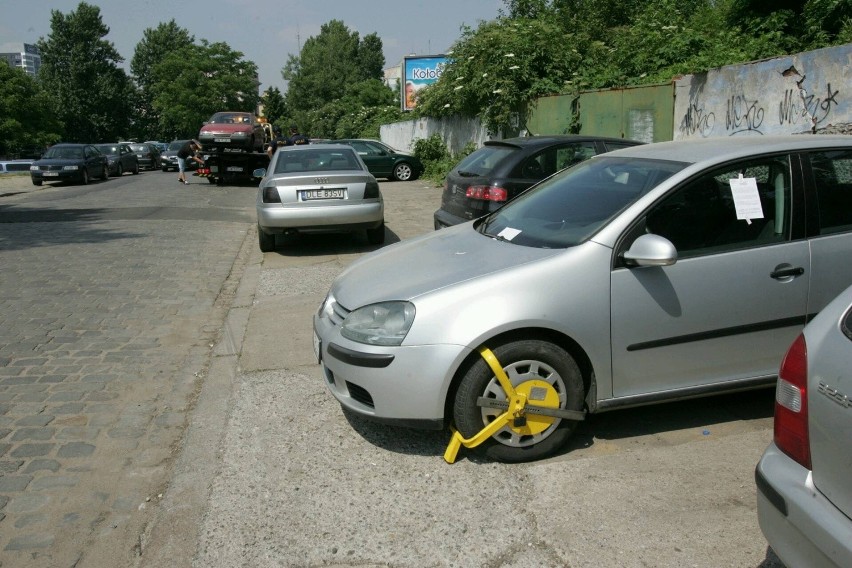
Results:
[787, 95]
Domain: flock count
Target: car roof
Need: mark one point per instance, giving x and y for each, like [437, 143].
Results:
[730, 148]
[535, 141]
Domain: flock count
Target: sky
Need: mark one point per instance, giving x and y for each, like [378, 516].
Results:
[264, 31]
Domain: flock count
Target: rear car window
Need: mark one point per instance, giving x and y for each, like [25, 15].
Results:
[318, 160]
[482, 161]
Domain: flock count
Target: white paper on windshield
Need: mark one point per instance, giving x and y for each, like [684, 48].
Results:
[508, 233]
[746, 198]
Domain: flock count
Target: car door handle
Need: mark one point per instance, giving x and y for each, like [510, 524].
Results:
[787, 272]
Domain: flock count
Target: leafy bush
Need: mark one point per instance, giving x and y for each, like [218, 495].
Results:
[436, 158]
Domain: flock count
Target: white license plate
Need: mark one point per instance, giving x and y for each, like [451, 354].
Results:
[235, 169]
[323, 194]
[317, 348]
[221, 140]
[51, 174]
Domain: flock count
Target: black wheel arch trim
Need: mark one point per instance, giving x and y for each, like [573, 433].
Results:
[359, 359]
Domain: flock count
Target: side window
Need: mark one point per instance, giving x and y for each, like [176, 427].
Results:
[702, 217]
[833, 177]
[361, 148]
[551, 160]
[374, 150]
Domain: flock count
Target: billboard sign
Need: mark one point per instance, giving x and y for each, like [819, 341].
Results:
[418, 72]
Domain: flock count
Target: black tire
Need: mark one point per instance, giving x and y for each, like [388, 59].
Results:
[212, 180]
[136, 169]
[376, 236]
[403, 172]
[37, 182]
[523, 361]
[119, 170]
[105, 175]
[265, 242]
[85, 177]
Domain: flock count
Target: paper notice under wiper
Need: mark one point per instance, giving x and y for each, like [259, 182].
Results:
[746, 198]
[508, 233]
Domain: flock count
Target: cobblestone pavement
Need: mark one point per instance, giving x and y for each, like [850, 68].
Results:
[112, 296]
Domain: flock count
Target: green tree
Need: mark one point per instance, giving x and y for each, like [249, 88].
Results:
[155, 46]
[191, 85]
[500, 67]
[27, 113]
[95, 97]
[274, 105]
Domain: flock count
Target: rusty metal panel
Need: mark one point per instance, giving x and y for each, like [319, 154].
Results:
[551, 115]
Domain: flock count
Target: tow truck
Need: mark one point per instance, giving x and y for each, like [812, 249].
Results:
[226, 165]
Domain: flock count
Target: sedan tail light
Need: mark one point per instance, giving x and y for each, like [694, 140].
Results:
[791, 404]
[271, 195]
[487, 193]
[371, 191]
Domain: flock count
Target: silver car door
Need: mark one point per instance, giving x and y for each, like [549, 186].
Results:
[731, 304]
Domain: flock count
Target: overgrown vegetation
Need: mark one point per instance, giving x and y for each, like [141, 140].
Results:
[436, 158]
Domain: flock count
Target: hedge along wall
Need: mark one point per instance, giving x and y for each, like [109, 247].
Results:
[805, 93]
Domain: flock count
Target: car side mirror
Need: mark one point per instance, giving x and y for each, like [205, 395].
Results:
[651, 250]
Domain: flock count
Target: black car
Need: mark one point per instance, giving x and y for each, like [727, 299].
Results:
[383, 161]
[121, 158]
[492, 175]
[70, 162]
[148, 155]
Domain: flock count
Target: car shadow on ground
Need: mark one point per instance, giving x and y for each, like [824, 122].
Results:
[705, 415]
[329, 244]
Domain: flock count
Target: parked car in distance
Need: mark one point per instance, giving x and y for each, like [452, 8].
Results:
[70, 162]
[653, 273]
[15, 166]
[233, 130]
[147, 154]
[121, 158]
[804, 491]
[161, 146]
[384, 161]
[317, 188]
[501, 169]
[169, 161]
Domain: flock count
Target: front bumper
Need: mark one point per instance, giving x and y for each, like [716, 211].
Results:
[800, 524]
[57, 175]
[404, 385]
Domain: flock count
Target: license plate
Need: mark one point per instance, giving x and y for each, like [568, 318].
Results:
[323, 194]
[235, 169]
[317, 348]
[50, 174]
[221, 140]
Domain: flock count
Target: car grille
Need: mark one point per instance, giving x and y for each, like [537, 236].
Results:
[338, 314]
[360, 394]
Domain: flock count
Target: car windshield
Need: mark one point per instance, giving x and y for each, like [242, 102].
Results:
[64, 153]
[139, 147]
[107, 149]
[230, 118]
[482, 161]
[316, 160]
[571, 206]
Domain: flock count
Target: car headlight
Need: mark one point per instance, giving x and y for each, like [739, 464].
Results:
[385, 323]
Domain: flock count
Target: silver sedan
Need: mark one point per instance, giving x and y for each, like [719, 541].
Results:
[804, 497]
[649, 274]
[318, 188]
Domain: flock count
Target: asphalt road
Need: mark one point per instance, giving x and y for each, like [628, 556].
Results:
[241, 457]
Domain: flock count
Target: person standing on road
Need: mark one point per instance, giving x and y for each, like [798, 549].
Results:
[277, 140]
[189, 151]
[296, 137]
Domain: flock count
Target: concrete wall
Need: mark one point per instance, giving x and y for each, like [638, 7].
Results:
[803, 93]
[455, 131]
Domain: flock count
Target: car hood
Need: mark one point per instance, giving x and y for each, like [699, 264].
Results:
[415, 267]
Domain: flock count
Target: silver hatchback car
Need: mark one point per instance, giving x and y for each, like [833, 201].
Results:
[649, 274]
[318, 188]
[804, 498]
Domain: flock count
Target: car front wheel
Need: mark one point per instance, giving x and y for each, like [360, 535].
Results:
[546, 374]
[136, 168]
[84, 178]
[105, 175]
[265, 241]
[403, 172]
